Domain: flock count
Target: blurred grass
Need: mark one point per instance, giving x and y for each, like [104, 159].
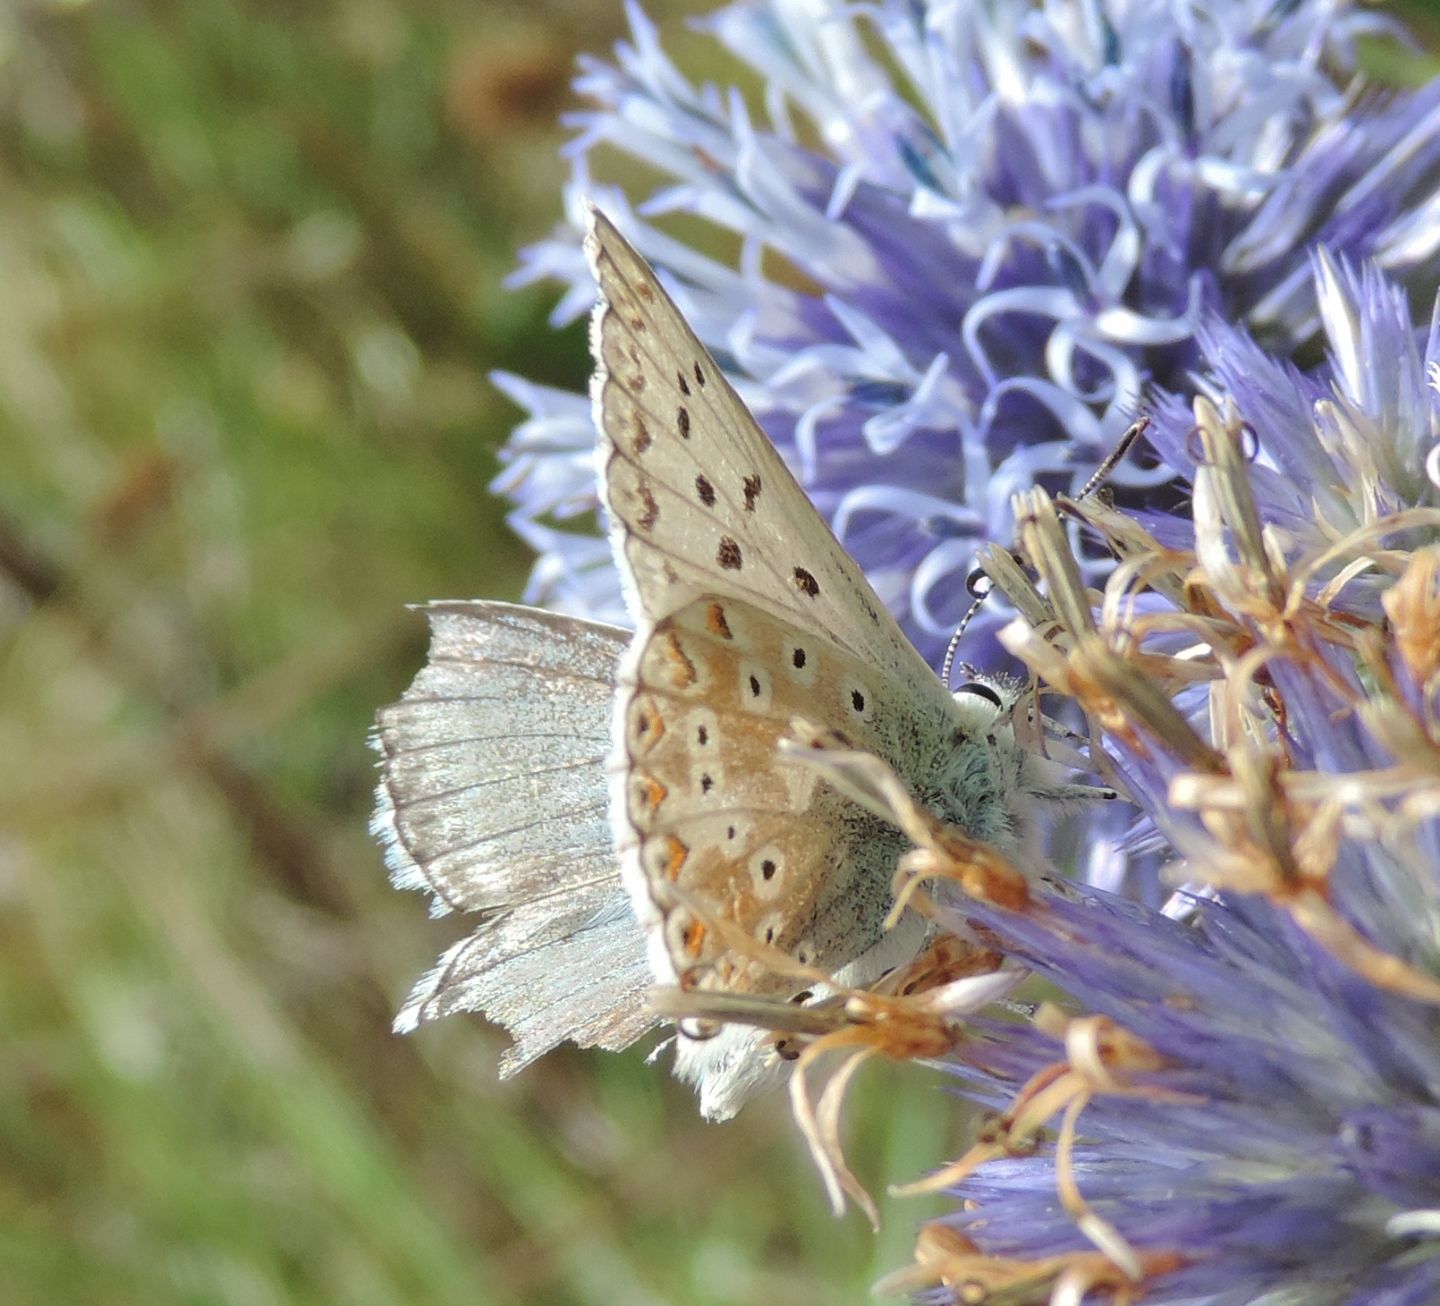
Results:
[251, 256]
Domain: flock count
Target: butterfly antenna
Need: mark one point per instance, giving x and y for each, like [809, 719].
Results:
[1113, 459]
[977, 577]
[973, 583]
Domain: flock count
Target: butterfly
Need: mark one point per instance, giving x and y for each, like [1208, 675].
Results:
[615, 806]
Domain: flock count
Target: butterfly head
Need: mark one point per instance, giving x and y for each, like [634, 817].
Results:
[985, 702]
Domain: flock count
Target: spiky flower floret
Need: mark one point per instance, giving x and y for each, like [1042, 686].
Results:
[1336, 449]
[969, 233]
[1352, 442]
[1238, 1100]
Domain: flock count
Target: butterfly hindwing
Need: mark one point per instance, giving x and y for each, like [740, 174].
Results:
[493, 798]
[716, 810]
[552, 774]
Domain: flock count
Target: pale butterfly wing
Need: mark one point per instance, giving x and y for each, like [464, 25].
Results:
[493, 798]
[712, 808]
[495, 794]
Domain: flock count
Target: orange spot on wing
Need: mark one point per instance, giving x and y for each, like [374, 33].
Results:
[715, 621]
[649, 726]
[682, 670]
[691, 937]
[678, 852]
[653, 792]
[649, 508]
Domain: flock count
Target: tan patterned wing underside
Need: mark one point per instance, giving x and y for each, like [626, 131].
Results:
[492, 797]
[713, 808]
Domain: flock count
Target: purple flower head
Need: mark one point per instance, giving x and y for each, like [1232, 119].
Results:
[1239, 1099]
[1351, 444]
[970, 235]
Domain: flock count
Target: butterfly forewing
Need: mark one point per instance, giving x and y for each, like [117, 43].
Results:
[493, 797]
[699, 499]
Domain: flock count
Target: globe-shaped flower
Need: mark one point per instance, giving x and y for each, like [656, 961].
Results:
[970, 235]
[1238, 1099]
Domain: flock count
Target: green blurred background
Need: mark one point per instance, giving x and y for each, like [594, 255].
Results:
[250, 264]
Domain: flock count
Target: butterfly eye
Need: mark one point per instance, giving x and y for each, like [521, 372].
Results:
[981, 690]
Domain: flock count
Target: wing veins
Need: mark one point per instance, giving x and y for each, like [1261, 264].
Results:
[418, 749]
[494, 835]
[411, 803]
[456, 659]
